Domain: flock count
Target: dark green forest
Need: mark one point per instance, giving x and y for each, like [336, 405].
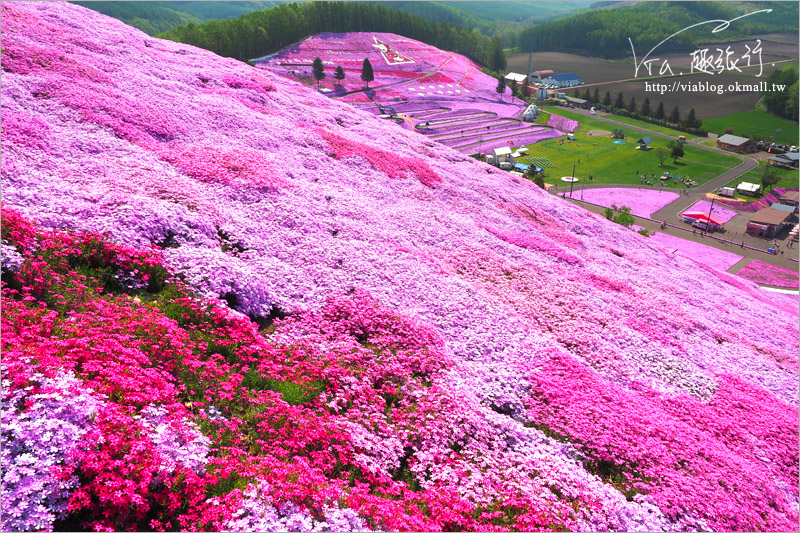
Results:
[156, 17]
[267, 31]
[605, 32]
[782, 103]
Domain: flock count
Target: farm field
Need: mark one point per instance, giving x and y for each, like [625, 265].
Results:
[706, 105]
[755, 122]
[590, 69]
[612, 163]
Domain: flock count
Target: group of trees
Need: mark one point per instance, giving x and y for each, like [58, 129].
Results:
[782, 103]
[675, 151]
[267, 31]
[318, 70]
[645, 112]
[605, 32]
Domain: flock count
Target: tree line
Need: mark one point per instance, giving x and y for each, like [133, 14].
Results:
[782, 103]
[646, 112]
[269, 30]
[605, 32]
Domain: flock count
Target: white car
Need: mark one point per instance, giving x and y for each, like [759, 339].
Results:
[793, 149]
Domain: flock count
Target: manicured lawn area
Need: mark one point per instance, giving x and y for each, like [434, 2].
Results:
[754, 122]
[618, 164]
[651, 127]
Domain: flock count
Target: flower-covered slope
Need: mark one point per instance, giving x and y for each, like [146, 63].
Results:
[457, 349]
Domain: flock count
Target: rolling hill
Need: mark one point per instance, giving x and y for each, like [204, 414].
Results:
[231, 303]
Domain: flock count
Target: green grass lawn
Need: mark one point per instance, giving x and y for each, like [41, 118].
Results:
[755, 122]
[650, 127]
[617, 164]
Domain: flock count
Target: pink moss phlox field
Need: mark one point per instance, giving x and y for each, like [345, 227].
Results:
[236, 303]
[707, 255]
[643, 202]
[766, 274]
[720, 212]
[561, 123]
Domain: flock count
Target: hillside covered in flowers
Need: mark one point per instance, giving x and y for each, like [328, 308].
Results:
[231, 303]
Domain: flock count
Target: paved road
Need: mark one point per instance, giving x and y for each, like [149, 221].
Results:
[754, 248]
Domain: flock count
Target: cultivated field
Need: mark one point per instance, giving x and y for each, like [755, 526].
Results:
[755, 122]
[611, 75]
[590, 69]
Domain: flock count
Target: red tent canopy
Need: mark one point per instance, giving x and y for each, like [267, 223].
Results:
[696, 215]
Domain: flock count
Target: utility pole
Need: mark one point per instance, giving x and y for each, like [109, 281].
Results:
[572, 181]
[530, 63]
[708, 222]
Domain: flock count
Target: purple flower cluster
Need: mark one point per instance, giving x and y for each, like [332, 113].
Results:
[180, 442]
[42, 424]
[255, 513]
[11, 259]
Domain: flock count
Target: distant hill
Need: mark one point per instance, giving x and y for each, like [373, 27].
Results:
[503, 19]
[490, 18]
[156, 17]
[269, 30]
[605, 33]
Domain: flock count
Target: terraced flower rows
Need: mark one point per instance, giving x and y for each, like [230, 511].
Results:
[418, 81]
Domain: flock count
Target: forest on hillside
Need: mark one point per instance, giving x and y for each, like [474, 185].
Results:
[267, 31]
[783, 103]
[155, 17]
[605, 33]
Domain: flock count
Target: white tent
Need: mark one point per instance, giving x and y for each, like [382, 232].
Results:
[746, 187]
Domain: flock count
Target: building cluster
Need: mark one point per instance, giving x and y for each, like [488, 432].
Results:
[539, 82]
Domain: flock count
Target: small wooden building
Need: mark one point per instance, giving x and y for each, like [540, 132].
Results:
[736, 144]
[767, 222]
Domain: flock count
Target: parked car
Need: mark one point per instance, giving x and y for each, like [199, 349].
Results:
[682, 138]
[593, 112]
[699, 224]
[793, 149]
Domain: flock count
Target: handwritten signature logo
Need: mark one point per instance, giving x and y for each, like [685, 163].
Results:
[702, 60]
